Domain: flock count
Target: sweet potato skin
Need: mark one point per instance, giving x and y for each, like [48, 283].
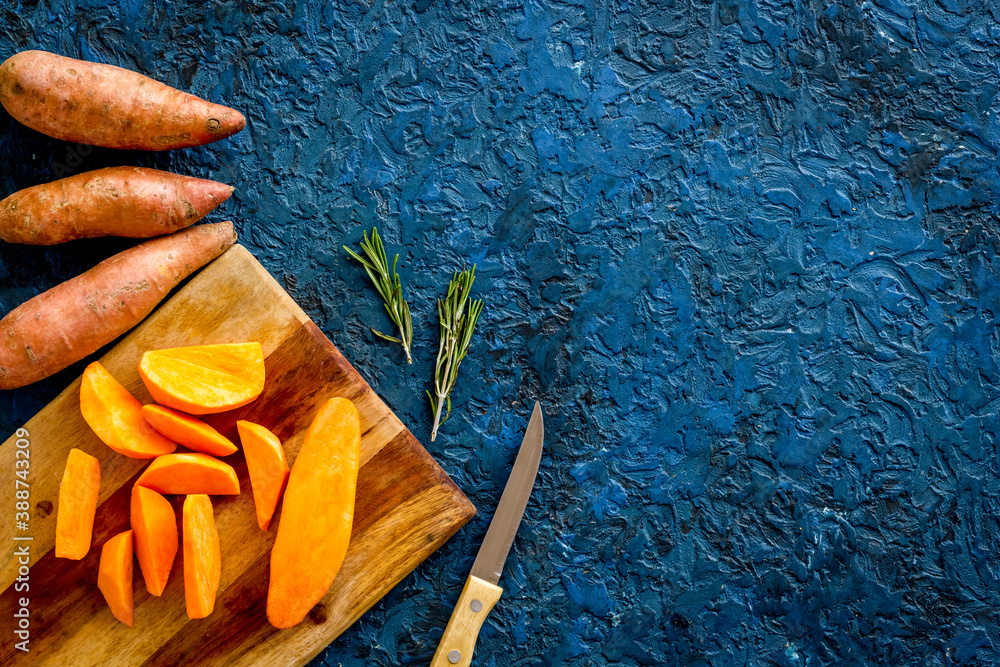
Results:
[70, 321]
[133, 202]
[103, 105]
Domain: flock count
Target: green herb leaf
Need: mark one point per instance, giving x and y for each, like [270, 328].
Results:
[388, 287]
[458, 317]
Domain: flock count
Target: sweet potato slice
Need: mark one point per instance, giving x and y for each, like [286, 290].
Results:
[317, 514]
[115, 415]
[204, 379]
[187, 430]
[267, 466]
[154, 526]
[114, 576]
[190, 473]
[78, 492]
[202, 556]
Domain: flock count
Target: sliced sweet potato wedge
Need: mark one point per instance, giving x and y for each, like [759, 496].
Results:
[204, 379]
[267, 466]
[190, 473]
[114, 576]
[186, 430]
[115, 416]
[317, 514]
[202, 556]
[78, 491]
[154, 526]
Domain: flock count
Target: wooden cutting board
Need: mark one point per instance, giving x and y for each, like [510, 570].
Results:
[407, 506]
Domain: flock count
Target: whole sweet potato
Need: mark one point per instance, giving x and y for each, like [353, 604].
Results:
[117, 201]
[108, 106]
[63, 325]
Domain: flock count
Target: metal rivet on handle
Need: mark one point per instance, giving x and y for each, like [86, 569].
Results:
[454, 656]
[476, 606]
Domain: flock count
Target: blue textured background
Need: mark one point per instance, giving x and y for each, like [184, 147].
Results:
[744, 250]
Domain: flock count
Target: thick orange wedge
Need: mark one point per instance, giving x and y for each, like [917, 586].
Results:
[317, 514]
[154, 526]
[190, 473]
[202, 556]
[267, 466]
[186, 430]
[114, 576]
[78, 491]
[116, 416]
[204, 379]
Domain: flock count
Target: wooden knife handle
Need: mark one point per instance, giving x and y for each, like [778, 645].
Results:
[459, 639]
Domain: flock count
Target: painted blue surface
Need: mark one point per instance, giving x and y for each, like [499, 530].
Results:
[745, 251]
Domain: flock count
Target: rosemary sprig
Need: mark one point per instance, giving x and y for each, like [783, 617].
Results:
[388, 287]
[456, 332]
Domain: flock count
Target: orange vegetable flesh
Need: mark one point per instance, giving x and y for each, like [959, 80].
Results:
[267, 466]
[202, 556]
[317, 514]
[78, 492]
[187, 474]
[187, 430]
[116, 416]
[204, 379]
[154, 525]
[114, 576]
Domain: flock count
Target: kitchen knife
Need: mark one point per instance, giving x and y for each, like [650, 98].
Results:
[481, 591]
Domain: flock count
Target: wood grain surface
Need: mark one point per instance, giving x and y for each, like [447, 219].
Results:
[406, 506]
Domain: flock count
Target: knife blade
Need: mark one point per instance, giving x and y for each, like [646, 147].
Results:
[481, 592]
